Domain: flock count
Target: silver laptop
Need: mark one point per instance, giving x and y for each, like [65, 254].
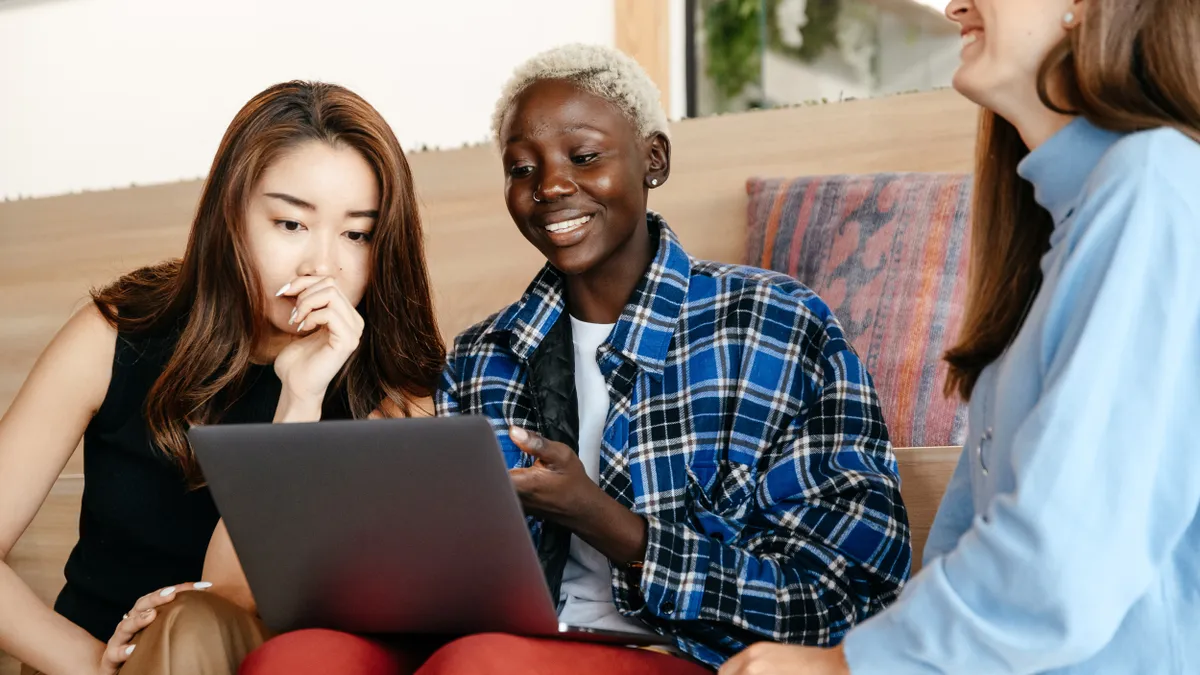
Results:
[392, 526]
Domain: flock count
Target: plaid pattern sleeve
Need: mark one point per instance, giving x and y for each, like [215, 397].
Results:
[823, 541]
[744, 429]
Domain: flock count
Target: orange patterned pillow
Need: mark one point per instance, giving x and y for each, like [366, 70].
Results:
[888, 253]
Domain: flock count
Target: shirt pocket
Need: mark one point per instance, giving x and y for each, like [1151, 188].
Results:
[720, 494]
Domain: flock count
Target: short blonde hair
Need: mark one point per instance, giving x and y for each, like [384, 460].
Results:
[602, 71]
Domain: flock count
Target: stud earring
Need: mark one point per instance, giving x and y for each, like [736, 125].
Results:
[653, 181]
[1069, 19]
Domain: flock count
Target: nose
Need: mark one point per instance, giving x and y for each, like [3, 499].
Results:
[320, 257]
[556, 182]
[957, 10]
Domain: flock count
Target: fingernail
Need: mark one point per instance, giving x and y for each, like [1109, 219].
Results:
[293, 319]
[201, 585]
[167, 591]
[129, 649]
[519, 434]
[301, 327]
[283, 290]
[124, 617]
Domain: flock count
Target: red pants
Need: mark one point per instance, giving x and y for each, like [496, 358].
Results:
[325, 651]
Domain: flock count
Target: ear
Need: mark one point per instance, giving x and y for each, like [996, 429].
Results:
[1074, 14]
[658, 160]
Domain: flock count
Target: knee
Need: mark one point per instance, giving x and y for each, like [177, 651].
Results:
[196, 627]
[201, 612]
[320, 651]
[206, 617]
[483, 653]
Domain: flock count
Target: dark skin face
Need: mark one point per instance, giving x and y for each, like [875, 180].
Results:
[575, 163]
[570, 155]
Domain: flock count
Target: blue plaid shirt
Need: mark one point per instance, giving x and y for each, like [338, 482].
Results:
[745, 430]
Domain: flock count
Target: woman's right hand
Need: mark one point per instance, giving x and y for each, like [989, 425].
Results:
[120, 647]
[328, 330]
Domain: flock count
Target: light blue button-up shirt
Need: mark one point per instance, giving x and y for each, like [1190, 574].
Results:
[1068, 539]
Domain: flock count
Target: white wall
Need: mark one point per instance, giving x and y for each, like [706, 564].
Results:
[916, 58]
[98, 94]
[788, 81]
[678, 57]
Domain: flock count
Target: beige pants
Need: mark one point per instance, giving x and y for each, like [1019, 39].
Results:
[196, 634]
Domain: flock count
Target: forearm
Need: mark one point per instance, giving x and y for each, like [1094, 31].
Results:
[293, 409]
[223, 570]
[800, 597]
[612, 529]
[39, 637]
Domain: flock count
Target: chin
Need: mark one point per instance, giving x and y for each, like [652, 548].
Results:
[968, 83]
[572, 263]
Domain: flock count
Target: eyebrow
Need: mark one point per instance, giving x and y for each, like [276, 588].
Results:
[300, 203]
[582, 126]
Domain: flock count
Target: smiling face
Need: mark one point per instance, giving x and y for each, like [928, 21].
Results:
[577, 174]
[1004, 45]
[312, 214]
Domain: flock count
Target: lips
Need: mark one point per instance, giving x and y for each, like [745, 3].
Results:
[565, 226]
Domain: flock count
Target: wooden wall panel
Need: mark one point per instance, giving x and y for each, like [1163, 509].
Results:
[642, 29]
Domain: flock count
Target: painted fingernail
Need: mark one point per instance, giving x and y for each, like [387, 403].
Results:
[301, 327]
[129, 649]
[519, 434]
[283, 290]
[167, 591]
[292, 320]
[201, 585]
[124, 617]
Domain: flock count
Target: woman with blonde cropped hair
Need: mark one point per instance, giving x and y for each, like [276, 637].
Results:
[700, 453]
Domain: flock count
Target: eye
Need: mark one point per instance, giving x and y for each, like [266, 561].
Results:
[587, 158]
[289, 225]
[520, 171]
[359, 237]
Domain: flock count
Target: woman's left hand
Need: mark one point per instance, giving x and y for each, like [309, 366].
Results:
[769, 658]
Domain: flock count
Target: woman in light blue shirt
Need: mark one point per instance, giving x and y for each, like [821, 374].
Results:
[1068, 539]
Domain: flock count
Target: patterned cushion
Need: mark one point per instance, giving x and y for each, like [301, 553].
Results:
[888, 253]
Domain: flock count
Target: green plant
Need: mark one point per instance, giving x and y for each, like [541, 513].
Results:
[732, 44]
[734, 39]
[820, 33]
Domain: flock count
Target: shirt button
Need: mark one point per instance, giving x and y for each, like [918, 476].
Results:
[667, 608]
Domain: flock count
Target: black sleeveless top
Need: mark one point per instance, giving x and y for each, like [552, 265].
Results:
[141, 527]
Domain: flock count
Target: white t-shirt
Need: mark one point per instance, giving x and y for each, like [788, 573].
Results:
[586, 594]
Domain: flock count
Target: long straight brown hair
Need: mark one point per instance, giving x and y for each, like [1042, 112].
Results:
[212, 298]
[1128, 66]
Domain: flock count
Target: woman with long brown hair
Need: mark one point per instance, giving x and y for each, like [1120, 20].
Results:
[1068, 540]
[302, 295]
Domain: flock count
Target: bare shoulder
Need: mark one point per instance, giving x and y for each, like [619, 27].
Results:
[82, 353]
[417, 407]
[422, 407]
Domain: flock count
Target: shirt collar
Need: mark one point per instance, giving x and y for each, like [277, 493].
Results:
[644, 330]
[1059, 167]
